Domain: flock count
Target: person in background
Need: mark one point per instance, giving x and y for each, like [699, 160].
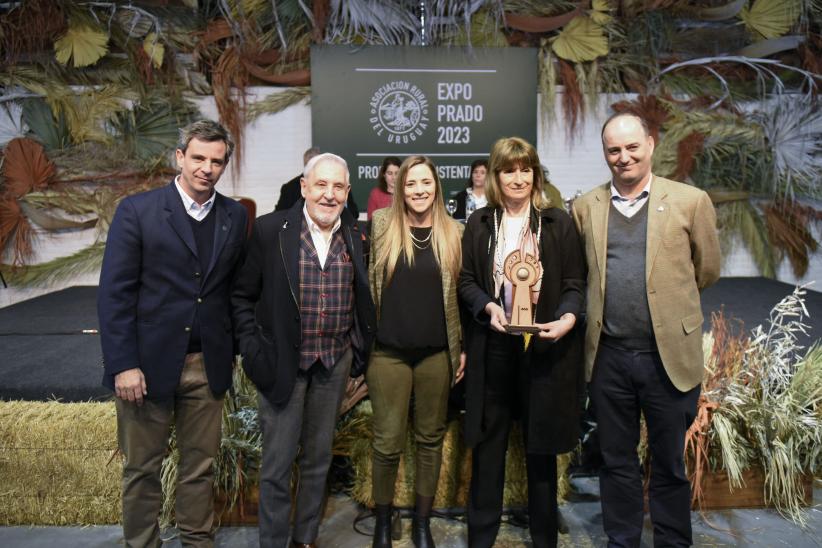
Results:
[414, 264]
[382, 195]
[290, 192]
[536, 378]
[165, 329]
[304, 321]
[651, 246]
[473, 196]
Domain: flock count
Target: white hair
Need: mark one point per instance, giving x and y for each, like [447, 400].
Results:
[326, 156]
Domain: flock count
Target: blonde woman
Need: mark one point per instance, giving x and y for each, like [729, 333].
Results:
[508, 375]
[415, 261]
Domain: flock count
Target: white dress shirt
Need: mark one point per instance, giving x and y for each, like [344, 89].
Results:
[629, 206]
[195, 211]
[322, 243]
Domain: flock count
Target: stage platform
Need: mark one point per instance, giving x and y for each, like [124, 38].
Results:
[51, 350]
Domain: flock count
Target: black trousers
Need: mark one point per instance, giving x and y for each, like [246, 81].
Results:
[505, 398]
[625, 383]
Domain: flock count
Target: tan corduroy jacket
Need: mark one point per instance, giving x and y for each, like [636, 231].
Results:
[681, 258]
[449, 289]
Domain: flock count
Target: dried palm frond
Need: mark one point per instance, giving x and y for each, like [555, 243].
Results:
[789, 233]
[15, 230]
[90, 112]
[30, 27]
[372, 22]
[52, 132]
[277, 102]
[82, 43]
[686, 152]
[26, 167]
[764, 71]
[547, 83]
[573, 105]
[150, 130]
[654, 110]
[740, 221]
[770, 18]
[794, 132]
[229, 81]
[82, 262]
[11, 121]
[581, 40]
[484, 30]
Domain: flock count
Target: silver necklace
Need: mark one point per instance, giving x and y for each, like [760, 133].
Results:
[418, 242]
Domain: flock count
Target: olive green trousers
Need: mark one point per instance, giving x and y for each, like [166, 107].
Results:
[393, 377]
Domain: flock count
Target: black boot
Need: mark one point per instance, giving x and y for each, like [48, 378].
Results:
[382, 526]
[420, 529]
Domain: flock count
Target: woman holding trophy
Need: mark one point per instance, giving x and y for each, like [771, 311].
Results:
[523, 283]
[414, 265]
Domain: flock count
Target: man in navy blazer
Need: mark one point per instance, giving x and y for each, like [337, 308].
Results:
[165, 326]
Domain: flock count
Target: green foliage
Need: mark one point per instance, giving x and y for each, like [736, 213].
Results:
[51, 131]
[150, 130]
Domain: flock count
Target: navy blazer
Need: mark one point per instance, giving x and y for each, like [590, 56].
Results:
[266, 305]
[151, 285]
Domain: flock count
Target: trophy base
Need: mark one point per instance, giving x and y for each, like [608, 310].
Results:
[520, 329]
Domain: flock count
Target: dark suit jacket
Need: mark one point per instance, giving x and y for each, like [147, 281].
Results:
[290, 194]
[266, 307]
[555, 372]
[151, 284]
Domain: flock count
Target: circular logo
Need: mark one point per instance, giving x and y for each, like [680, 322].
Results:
[399, 111]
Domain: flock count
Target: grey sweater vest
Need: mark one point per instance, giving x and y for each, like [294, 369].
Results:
[626, 314]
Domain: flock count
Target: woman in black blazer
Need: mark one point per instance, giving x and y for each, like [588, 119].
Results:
[536, 378]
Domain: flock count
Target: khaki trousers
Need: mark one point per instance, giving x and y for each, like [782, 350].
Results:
[392, 378]
[143, 433]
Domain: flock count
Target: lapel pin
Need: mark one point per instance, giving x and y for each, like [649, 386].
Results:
[225, 228]
[660, 208]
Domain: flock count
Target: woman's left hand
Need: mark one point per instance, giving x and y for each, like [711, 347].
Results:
[554, 331]
[461, 368]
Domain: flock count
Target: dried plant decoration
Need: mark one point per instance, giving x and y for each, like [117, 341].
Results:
[762, 407]
[82, 43]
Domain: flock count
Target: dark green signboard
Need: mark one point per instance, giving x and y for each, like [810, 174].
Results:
[450, 104]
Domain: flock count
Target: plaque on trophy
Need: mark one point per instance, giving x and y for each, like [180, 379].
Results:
[522, 270]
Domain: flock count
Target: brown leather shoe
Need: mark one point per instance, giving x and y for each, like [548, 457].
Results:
[296, 544]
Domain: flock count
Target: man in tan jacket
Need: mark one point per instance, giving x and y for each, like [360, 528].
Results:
[651, 246]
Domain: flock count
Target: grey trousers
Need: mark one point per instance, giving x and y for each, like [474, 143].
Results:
[143, 432]
[303, 430]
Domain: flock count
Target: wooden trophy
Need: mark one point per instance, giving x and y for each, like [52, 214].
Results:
[523, 272]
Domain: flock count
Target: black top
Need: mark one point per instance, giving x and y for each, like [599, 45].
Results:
[412, 313]
[204, 238]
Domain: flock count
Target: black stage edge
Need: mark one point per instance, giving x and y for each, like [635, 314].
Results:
[46, 352]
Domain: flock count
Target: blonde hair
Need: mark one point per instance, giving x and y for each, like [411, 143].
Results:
[511, 152]
[396, 238]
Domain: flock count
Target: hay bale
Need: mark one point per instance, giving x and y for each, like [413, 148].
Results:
[58, 463]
